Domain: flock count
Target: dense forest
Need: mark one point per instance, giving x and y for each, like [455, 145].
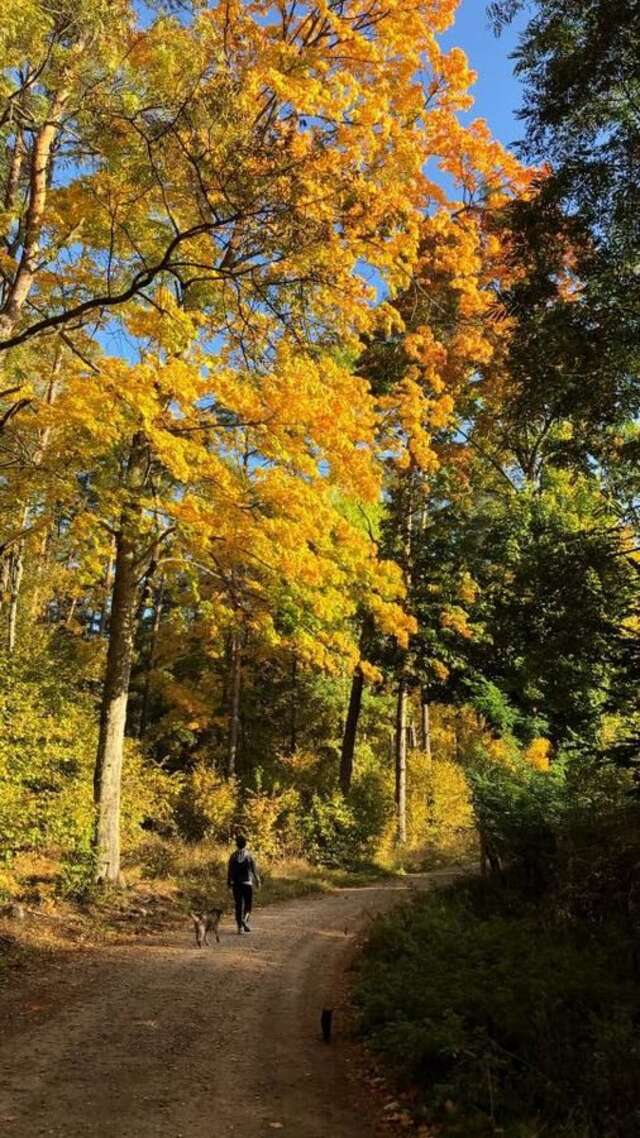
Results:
[319, 492]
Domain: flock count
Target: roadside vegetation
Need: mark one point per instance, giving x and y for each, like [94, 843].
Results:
[509, 1004]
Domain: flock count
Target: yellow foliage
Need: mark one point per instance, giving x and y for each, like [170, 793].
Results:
[271, 821]
[503, 751]
[538, 754]
[439, 813]
[207, 804]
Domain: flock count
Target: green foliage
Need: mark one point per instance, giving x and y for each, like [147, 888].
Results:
[47, 746]
[519, 810]
[511, 1003]
[331, 832]
[47, 751]
[338, 830]
[493, 705]
[537, 556]
[306, 813]
[558, 827]
[77, 875]
[500, 1018]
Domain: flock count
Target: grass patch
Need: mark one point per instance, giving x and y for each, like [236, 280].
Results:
[164, 880]
[196, 875]
[498, 1020]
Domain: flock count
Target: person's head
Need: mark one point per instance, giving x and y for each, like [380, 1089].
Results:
[241, 841]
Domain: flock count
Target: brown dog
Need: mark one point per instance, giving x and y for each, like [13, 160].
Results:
[206, 923]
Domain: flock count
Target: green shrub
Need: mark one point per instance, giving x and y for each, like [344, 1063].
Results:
[330, 831]
[48, 740]
[47, 748]
[77, 878]
[572, 830]
[519, 810]
[484, 1007]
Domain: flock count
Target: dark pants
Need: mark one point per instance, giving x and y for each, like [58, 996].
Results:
[243, 897]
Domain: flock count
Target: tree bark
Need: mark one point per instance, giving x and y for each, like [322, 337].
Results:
[293, 723]
[108, 772]
[108, 769]
[236, 682]
[15, 170]
[5, 576]
[401, 761]
[151, 662]
[38, 185]
[16, 569]
[17, 558]
[425, 726]
[104, 612]
[351, 730]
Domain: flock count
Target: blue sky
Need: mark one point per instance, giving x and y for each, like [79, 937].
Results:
[497, 92]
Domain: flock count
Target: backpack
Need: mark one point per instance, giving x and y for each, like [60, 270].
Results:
[241, 869]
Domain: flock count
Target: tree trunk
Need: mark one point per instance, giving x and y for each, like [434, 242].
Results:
[236, 680]
[425, 726]
[108, 772]
[43, 572]
[16, 570]
[15, 169]
[41, 564]
[104, 612]
[40, 157]
[151, 662]
[293, 724]
[351, 730]
[5, 576]
[401, 761]
[72, 612]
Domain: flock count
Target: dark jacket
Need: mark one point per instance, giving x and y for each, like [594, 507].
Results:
[242, 869]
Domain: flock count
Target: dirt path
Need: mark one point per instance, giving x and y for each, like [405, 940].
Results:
[162, 1039]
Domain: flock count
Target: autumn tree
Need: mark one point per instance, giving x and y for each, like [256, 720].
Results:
[423, 364]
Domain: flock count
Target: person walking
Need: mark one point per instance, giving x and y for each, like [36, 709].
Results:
[241, 875]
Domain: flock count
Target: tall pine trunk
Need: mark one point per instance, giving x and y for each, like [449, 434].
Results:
[350, 730]
[401, 761]
[108, 770]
